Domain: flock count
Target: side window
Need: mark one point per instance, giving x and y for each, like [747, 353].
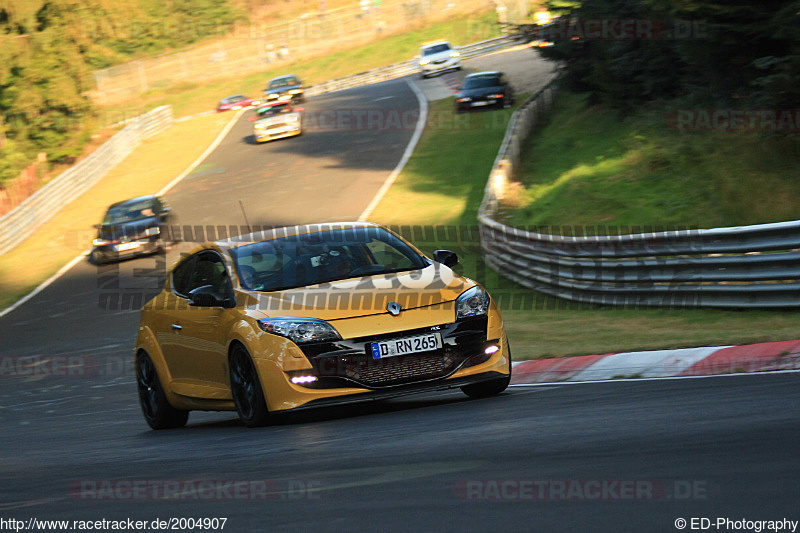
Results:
[182, 276]
[209, 269]
[385, 254]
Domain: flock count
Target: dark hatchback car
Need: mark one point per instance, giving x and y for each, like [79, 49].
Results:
[483, 89]
[132, 227]
[288, 87]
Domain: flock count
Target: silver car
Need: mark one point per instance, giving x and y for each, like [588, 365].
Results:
[277, 120]
[438, 56]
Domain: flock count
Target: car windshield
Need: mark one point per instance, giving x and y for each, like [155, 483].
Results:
[479, 82]
[271, 111]
[435, 49]
[234, 99]
[283, 82]
[321, 257]
[129, 212]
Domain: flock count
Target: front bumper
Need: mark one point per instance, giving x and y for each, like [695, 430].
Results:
[447, 64]
[294, 97]
[285, 130]
[478, 103]
[346, 372]
[123, 250]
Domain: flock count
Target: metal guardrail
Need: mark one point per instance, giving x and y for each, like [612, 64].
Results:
[406, 68]
[37, 209]
[747, 266]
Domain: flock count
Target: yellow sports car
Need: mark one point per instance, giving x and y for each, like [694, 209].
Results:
[309, 316]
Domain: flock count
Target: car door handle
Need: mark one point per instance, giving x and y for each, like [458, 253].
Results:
[177, 327]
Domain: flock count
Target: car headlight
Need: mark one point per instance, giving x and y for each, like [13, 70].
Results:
[100, 242]
[465, 99]
[152, 231]
[472, 302]
[259, 126]
[295, 91]
[424, 61]
[300, 330]
[272, 95]
[454, 54]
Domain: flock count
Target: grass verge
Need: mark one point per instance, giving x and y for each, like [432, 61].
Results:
[591, 165]
[443, 183]
[149, 168]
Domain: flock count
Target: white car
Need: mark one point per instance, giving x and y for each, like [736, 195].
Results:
[277, 120]
[438, 56]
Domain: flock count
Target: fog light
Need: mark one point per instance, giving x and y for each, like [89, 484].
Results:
[491, 349]
[299, 380]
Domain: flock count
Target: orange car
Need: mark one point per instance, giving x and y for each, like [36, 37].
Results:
[309, 316]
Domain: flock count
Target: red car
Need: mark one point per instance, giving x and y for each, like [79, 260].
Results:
[236, 102]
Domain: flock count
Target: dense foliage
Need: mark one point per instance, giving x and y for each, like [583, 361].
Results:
[48, 49]
[734, 53]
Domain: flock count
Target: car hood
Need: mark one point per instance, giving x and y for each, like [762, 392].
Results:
[113, 232]
[480, 91]
[439, 55]
[365, 296]
[279, 118]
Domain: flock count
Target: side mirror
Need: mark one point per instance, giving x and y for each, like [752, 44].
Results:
[253, 118]
[97, 226]
[205, 296]
[299, 109]
[446, 257]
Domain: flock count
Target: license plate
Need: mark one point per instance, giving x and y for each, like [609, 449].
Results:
[407, 345]
[475, 104]
[125, 246]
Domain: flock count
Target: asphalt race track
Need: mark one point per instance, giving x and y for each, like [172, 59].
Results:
[716, 447]
[615, 456]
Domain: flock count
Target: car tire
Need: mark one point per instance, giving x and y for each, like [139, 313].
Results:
[494, 387]
[248, 395]
[95, 258]
[156, 409]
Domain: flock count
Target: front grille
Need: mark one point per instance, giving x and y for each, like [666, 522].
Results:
[397, 370]
[345, 362]
[276, 125]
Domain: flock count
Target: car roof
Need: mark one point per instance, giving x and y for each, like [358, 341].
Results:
[284, 76]
[484, 73]
[290, 231]
[133, 200]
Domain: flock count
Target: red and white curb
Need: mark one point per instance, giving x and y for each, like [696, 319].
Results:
[764, 357]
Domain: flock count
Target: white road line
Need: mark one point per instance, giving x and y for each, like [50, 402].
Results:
[205, 154]
[423, 117]
[63, 270]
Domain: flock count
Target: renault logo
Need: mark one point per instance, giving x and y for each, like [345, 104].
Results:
[394, 308]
